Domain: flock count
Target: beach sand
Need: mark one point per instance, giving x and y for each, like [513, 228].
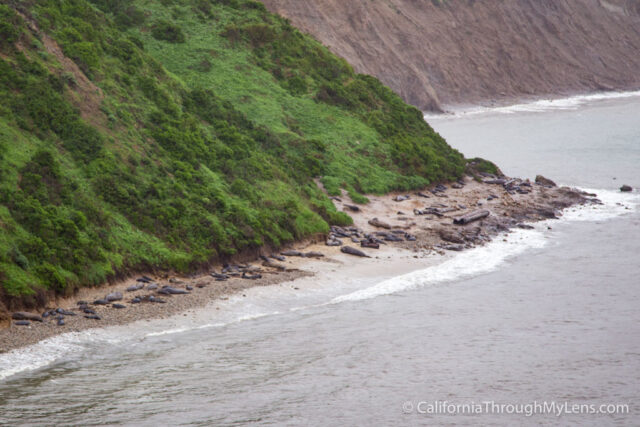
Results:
[436, 238]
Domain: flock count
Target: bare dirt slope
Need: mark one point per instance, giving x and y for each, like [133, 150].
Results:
[448, 52]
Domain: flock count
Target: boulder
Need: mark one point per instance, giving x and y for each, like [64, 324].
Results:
[546, 182]
[451, 236]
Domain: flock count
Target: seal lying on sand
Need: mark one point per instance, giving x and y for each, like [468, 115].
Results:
[136, 287]
[353, 251]
[114, 296]
[23, 315]
[168, 290]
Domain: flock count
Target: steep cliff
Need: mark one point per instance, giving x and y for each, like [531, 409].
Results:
[138, 135]
[445, 52]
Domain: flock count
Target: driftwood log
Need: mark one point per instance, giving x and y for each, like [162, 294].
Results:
[473, 216]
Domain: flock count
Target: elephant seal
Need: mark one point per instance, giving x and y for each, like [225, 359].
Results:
[270, 263]
[60, 322]
[23, 315]
[114, 296]
[292, 253]
[144, 279]
[22, 323]
[100, 302]
[136, 287]
[370, 243]
[333, 242]
[251, 276]
[353, 251]
[93, 316]
[88, 310]
[120, 306]
[313, 254]
[380, 224]
[168, 290]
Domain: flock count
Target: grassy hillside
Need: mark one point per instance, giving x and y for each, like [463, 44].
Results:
[164, 134]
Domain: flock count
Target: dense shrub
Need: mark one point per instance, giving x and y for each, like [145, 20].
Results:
[10, 26]
[164, 30]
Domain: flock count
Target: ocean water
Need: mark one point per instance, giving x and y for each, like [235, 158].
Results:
[534, 319]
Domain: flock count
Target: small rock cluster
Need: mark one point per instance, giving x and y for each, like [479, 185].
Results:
[368, 240]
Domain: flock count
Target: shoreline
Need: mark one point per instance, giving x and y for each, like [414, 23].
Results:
[418, 227]
[530, 103]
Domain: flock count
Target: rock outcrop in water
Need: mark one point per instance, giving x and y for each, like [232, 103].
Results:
[438, 53]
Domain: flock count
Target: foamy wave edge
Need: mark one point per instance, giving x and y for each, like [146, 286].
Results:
[488, 258]
[539, 106]
[465, 264]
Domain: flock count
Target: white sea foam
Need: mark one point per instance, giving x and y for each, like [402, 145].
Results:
[45, 352]
[472, 262]
[615, 203]
[539, 106]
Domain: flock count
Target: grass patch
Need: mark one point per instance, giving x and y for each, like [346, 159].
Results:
[214, 120]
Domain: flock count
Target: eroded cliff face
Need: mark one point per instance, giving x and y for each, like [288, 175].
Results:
[436, 53]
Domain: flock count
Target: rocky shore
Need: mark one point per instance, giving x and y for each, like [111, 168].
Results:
[451, 217]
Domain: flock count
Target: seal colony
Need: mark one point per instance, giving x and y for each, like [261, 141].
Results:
[451, 217]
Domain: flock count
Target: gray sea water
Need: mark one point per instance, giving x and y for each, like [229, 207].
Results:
[545, 315]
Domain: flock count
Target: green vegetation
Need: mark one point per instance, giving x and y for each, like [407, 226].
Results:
[477, 165]
[165, 133]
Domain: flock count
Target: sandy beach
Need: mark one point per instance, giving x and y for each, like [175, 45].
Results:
[413, 230]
